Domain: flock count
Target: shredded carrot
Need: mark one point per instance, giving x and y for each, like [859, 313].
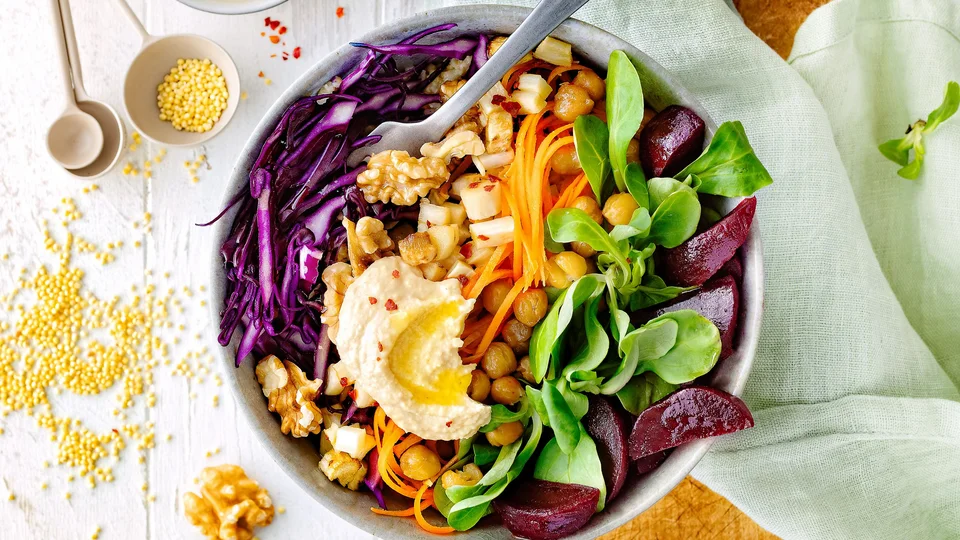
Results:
[509, 80]
[506, 308]
[518, 237]
[557, 71]
[572, 191]
[393, 513]
[418, 513]
[409, 441]
[485, 277]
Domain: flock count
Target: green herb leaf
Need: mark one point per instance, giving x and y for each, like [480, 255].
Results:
[564, 424]
[636, 183]
[649, 342]
[643, 391]
[596, 343]
[484, 454]
[547, 335]
[951, 102]
[592, 139]
[501, 414]
[654, 291]
[661, 188]
[578, 403]
[676, 219]
[582, 466]
[440, 499]
[897, 150]
[695, 352]
[574, 225]
[729, 167]
[624, 111]
[639, 226]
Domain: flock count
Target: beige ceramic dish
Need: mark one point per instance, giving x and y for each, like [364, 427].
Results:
[298, 458]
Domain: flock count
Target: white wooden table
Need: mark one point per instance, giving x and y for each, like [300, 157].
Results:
[31, 183]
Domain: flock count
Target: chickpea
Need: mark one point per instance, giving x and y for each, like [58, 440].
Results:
[583, 249]
[589, 205]
[565, 161]
[505, 434]
[517, 336]
[419, 462]
[469, 476]
[619, 208]
[592, 83]
[506, 390]
[499, 360]
[633, 151]
[494, 294]
[530, 306]
[523, 369]
[572, 102]
[574, 266]
[479, 388]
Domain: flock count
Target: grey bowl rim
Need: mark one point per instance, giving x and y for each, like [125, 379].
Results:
[242, 8]
[730, 375]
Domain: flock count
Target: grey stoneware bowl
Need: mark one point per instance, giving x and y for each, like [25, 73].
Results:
[232, 7]
[299, 458]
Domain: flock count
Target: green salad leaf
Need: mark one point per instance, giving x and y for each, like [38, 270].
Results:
[595, 346]
[898, 150]
[547, 335]
[643, 391]
[636, 183]
[501, 414]
[484, 454]
[728, 166]
[624, 111]
[694, 353]
[675, 219]
[654, 291]
[591, 138]
[564, 424]
[661, 188]
[649, 342]
[581, 466]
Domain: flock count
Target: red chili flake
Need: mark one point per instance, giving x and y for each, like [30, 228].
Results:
[115, 431]
[483, 237]
[260, 74]
[273, 56]
[274, 39]
[266, 21]
[262, 34]
[296, 52]
[284, 43]
[429, 224]
[629, 261]
[274, 25]
[489, 188]
[340, 12]
[495, 178]
[344, 381]
[512, 107]
[395, 274]
[378, 359]
[390, 305]
[474, 185]
[449, 423]
[463, 280]
[282, 30]
[352, 394]
[466, 250]
[372, 300]
[285, 58]
[498, 99]
[380, 346]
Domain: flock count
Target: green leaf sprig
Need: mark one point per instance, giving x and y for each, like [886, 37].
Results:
[898, 150]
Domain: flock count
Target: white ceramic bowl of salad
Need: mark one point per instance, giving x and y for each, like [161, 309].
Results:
[232, 7]
[299, 458]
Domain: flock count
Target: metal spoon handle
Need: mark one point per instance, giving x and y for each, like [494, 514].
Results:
[545, 18]
[62, 55]
[73, 53]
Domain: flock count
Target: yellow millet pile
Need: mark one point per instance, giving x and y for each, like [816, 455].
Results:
[193, 95]
[56, 336]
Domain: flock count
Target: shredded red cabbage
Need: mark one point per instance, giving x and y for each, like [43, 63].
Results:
[300, 188]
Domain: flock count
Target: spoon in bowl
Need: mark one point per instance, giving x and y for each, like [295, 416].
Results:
[75, 139]
[545, 18]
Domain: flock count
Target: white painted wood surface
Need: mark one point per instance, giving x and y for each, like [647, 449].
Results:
[30, 183]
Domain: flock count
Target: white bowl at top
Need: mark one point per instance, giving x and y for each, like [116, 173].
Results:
[298, 458]
[232, 7]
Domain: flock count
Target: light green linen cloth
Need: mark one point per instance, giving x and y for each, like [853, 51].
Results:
[857, 419]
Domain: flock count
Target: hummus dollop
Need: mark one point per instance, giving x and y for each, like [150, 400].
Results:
[399, 341]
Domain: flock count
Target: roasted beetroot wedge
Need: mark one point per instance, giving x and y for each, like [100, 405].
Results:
[718, 300]
[543, 510]
[651, 462]
[733, 268]
[671, 141]
[699, 258]
[692, 413]
[608, 430]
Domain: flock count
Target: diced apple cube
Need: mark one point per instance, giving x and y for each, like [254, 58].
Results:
[354, 440]
[530, 102]
[475, 256]
[554, 51]
[459, 269]
[445, 238]
[486, 102]
[433, 271]
[492, 233]
[531, 82]
[432, 214]
[458, 185]
[495, 161]
[458, 214]
[481, 199]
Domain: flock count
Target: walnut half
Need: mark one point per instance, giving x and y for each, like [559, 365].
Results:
[341, 467]
[290, 394]
[230, 504]
[394, 176]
